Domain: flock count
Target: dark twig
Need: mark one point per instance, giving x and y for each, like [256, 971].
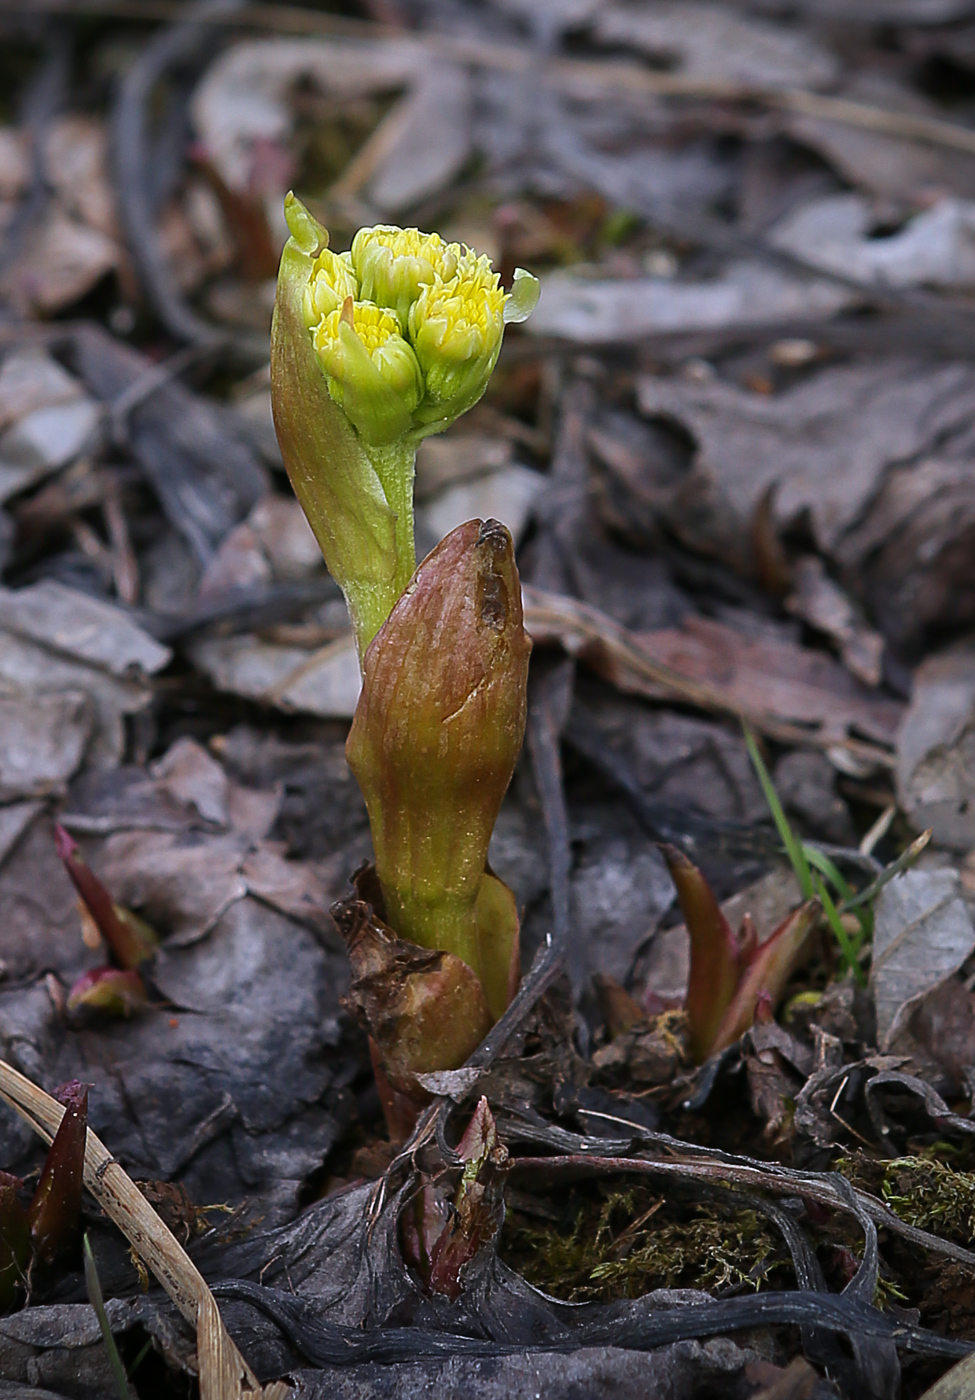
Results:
[41, 104]
[640, 1327]
[549, 699]
[133, 164]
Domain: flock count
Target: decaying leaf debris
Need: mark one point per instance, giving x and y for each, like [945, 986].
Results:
[734, 449]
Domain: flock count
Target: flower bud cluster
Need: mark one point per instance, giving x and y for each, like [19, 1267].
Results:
[408, 328]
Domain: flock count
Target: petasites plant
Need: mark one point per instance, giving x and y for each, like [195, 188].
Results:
[371, 351]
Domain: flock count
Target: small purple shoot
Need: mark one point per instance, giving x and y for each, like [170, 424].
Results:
[54, 1215]
[129, 938]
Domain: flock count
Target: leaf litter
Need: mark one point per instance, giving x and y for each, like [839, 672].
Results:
[734, 446]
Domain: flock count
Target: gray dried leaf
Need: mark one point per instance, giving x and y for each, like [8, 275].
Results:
[299, 889]
[28, 667]
[55, 639]
[38, 909]
[43, 739]
[821, 602]
[551, 16]
[600, 311]
[922, 934]
[910, 554]
[42, 442]
[684, 1369]
[806, 783]
[824, 445]
[286, 538]
[451, 1083]
[31, 379]
[414, 167]
[239, 563]
[187, 446]
[60, 264]
[180, 883]
[15, 818]
[936, 749]
[444, 461]
[189, 774]
[620, 890]
[879, 163]
[60, 1344]
[936, 249]
[715, 44]
[83, 628]
[77, 158]
[324, 682]
[770, 677]
[245, 99]
[506, 495]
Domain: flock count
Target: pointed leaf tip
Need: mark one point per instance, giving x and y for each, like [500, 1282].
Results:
[64, 843]
[763, 981]
[55, 1212]
[310, 236]
[130, 938]
[715, 959]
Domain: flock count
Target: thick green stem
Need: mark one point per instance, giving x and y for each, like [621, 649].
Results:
[440, 919]
[395, 465]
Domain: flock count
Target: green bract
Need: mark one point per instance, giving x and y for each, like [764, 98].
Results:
[434, 742]
[371, 351]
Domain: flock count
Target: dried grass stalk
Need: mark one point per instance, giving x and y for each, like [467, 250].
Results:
[223, 1372]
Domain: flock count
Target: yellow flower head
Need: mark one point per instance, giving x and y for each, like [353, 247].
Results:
[456, 329]
[392, 264]
[372, 372]
[332, 280]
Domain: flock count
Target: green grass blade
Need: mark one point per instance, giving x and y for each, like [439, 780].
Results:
[95, 1297]
[789, 839]
[821, 862]
[840, 933]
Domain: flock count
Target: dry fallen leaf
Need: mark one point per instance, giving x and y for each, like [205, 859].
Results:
[936, 749]
[922, 934]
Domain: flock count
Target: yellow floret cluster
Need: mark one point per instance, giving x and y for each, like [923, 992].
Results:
[372, 324]
[413, 297]
[386, 242]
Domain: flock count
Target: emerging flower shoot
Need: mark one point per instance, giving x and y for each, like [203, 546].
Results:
[436, 735]
[129, 938]
[111, 991]
[54, 1215]
[733, 978]
[371, 351]
[49, 1226]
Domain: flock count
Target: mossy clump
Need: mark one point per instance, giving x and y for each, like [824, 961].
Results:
[923, 1191]
[631, 1242]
